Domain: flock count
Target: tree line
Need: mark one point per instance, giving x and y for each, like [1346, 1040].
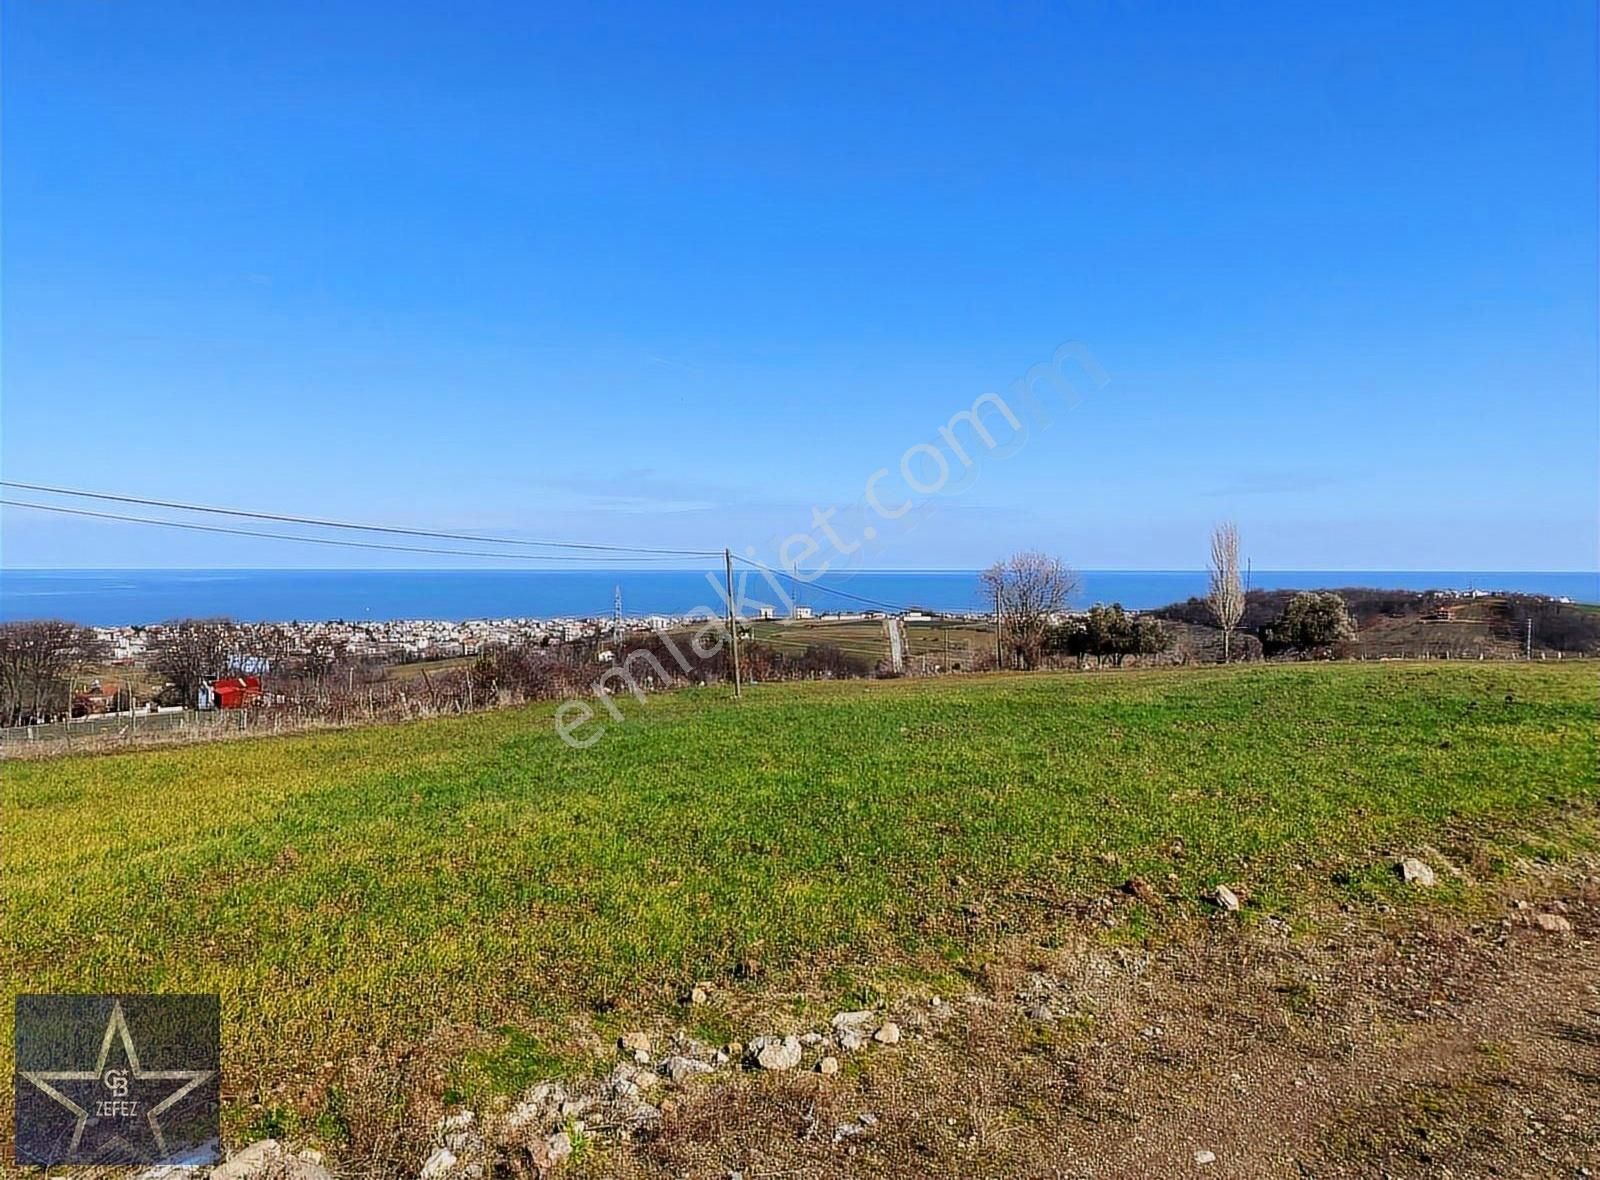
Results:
[38, 662]
[1031, 595]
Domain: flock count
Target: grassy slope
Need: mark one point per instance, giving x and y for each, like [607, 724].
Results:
[360, 886]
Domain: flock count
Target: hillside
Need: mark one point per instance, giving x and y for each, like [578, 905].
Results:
[1409, 624]
[397, 917]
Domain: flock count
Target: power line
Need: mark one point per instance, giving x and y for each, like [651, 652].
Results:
[317, 522]
[335, 541]
[889, 606]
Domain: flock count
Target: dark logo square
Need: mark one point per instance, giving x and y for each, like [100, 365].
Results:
[117, 1079]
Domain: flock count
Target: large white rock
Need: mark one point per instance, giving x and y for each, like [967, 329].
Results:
[1416, 872]
[269, 1158]
[680, 1068]
[776, 1052]
[438, 1165]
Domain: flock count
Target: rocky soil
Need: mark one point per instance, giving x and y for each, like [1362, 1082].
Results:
[1412, 1043]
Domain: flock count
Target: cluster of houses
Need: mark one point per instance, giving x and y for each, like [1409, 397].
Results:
[105, 695]
[389, 639]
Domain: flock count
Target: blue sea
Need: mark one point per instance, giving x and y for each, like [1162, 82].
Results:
[123, 597]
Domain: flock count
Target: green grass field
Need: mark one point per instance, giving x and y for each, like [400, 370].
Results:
[376, 886]
[858, 638]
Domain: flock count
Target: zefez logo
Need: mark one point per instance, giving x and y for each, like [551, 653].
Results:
[117, 1080]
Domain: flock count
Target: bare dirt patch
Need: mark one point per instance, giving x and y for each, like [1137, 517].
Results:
[1366, 1044]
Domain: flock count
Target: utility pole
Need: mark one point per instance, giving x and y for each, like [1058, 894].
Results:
[997, 655]
[616, 621]
[1527, 645]
[733, 619]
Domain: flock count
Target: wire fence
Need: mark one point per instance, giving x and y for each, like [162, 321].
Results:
[91, 732]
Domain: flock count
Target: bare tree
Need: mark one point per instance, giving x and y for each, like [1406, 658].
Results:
[1226, 596]
[190, 652]
[37, 663]
[1028, 591]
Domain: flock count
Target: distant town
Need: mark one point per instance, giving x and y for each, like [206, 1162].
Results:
[408, 640]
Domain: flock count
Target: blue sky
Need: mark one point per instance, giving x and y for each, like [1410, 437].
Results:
[681, 275]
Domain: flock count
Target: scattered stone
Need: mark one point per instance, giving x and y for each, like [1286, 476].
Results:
[268, 1158]
[734, 1050]
[776, 1052]
[634, 1042]
[438, 1165]
[1415, 872]
[559, 1146]
[680, 1069]
[573, 1107]
[863, 1123]
[851, 1029]
[1552, 923]
[641, 1057]
[828, 1065]
[888, 1033]
[173, 1172]
[455, 1132]
[629, 1081]
[540, 1105]
[249, 1161]
[1139, 888]
[700, 993]
[546, 1155]
[1204, 1157]
[811, 1039]
[1226, 899]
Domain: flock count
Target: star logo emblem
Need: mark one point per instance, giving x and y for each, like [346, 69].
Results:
[119, 1109]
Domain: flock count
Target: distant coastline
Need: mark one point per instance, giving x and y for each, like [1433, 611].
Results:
[133, 597]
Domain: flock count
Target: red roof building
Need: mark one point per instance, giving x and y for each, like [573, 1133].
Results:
[235, 692]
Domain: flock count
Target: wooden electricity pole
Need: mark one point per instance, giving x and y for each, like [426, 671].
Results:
[997, 649]
[733, 619]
